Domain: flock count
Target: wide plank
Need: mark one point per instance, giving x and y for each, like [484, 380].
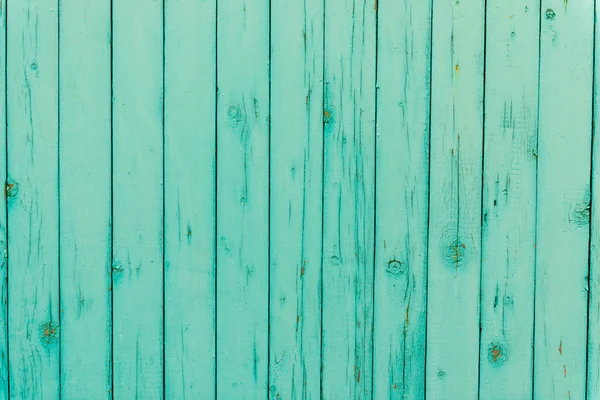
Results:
[296, 198]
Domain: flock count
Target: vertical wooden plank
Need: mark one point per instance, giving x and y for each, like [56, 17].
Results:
[455, 205]
[4, 384]
[348, 228]
[137, 199]
[403, 76]
[565, 118]
[242, 198]
[85, 199]
[593, 345]
[190, 101]
[296, 198]
[32, 192]
[509, 199]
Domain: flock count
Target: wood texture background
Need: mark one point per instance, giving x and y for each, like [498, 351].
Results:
[299, 199]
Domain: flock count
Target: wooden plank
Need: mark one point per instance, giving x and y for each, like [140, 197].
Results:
[242, 198]
[4, 381]
[32, 190]
[190, 105]
[403, 76]
[565, 117]
[348, 228]
[85, 199]
[455, 205]
[137, 199]
[509, 199]
[296, 198]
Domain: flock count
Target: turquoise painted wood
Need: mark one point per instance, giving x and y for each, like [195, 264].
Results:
[3, 224]
[243, 137]
[402, 183]
[348, 199]
[509, 199]
[190, 105]
[296, 225]
[563, 191]
[454, 253]
[303, 199]
[138, 200]
[85, 179]
[32, 194]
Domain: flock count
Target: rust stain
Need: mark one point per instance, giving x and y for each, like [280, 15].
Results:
[302, 272]
[456, 68]
[9, 190]
[358, 375]
[395, 386]
[560, 348]
[496, 353]
[565, 370]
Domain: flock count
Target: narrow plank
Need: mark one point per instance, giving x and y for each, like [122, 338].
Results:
[455, 205]
[4, 381]
[403, 78]
[296, 198]
[242, 198]
[509, 199]
[137, 269]
[190, 102]
[85, 199]
[32, 190]
[593, 344]
[565, 116]
[348, 228]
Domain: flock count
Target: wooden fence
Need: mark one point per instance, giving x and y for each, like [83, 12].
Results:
[299, 199]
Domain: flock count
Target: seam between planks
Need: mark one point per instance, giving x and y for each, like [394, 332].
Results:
[323, 89]
[426, 284]
[112, 254]
[268, 382]
[58, 195]
[215, 203]
[537, 138]
[164, 183]
[593, 124]
[5, 187]
[375, 123]
[481, 266]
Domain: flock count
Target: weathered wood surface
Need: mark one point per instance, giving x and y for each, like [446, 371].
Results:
[304, 199]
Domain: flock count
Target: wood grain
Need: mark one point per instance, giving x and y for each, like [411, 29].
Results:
[85, 200]
[455, 206]
[32, 194]
[296, 199]
[563, 212]
[137, 269]
[190, 166]
[509, 199]
[242, 199]
[403, 89]
[348, 220]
